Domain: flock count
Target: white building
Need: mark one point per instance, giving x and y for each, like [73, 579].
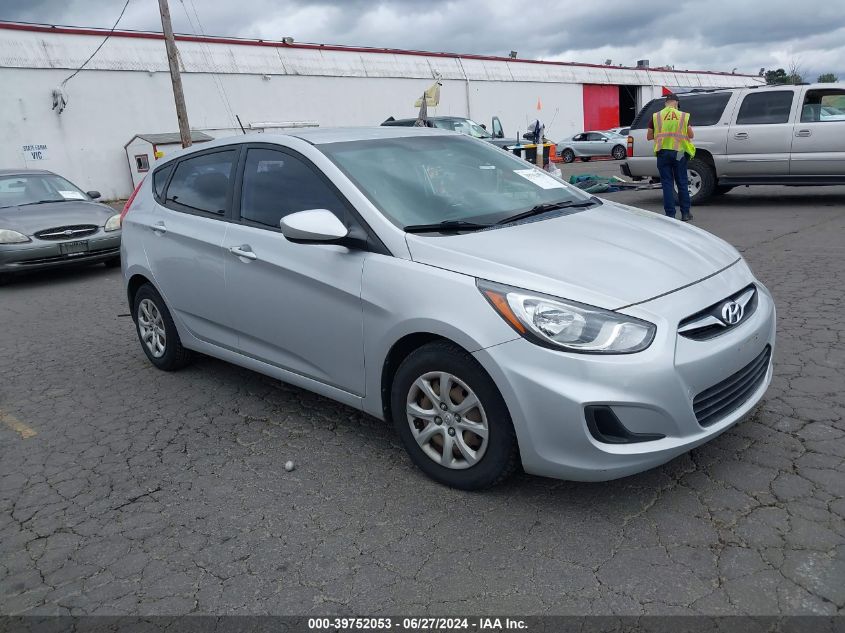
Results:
[125, 91]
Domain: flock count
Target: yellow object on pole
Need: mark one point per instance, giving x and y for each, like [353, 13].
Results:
[432, 96]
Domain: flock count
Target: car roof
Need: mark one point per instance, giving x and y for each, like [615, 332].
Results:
[432, 118]
[25, 172]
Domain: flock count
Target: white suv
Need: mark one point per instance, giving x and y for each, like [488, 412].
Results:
[767, 135]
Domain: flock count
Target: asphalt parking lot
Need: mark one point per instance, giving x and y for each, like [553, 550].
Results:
[125, 490]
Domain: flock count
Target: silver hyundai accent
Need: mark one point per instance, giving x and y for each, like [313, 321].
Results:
[495, 315]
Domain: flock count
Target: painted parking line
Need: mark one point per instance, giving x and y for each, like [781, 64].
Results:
[17, 426]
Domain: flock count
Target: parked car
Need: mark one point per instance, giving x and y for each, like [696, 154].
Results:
[621, 131]
[494, 314]
[760, 135]
[586, 145]
[47, 221]
[462, 126]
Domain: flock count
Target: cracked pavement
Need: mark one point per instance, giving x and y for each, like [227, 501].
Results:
[152, 493]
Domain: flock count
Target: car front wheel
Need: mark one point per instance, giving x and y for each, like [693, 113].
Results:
[568, 156]
[452, 419]
[157, 332]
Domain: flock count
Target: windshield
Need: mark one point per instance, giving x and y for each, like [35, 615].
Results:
[430, 179]
[35, 188]
[464, 126]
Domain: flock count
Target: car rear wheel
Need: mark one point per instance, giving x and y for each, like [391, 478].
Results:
[702, 181]
[568, 156]
[157, 332]
[4, 279]
[619, 152]
[452, 419]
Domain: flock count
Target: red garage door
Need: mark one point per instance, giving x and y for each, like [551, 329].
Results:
[601, 107]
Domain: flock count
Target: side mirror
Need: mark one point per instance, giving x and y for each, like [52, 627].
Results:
[313, 226]
[93, 194]
[605, 140]
[483, 127]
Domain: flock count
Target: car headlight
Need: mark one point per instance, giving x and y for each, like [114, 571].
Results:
[113, 223]
[566, 325]
[8, 236]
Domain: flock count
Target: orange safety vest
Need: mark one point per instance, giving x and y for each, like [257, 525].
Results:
[671, 129]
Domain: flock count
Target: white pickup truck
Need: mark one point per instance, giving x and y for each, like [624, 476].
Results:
[766, 135]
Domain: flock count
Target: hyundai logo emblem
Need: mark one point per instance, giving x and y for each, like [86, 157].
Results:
[68, 233]
[732, 313]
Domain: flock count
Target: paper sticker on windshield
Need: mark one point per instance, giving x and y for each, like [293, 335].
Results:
[539, 178]
[72, 195]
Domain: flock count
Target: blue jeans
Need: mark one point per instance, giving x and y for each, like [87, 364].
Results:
[673, 172]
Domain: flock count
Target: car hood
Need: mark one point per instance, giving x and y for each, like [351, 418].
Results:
[37, 217]
[609, 256]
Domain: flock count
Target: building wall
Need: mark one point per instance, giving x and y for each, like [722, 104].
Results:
[125, 90]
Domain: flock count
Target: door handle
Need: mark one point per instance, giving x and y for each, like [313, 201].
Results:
[741, 135]
[804, 133]
[159, 228]
[243, 250]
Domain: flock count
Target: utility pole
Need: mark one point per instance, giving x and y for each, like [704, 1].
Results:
[175, 77]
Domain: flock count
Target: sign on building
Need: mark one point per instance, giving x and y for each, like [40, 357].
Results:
[34, 152]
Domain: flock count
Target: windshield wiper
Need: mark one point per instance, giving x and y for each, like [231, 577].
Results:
[447, 225]
[549, 206]
[26, 204]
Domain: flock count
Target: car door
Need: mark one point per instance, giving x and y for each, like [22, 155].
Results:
[596, 144]
[818, 143]
[760, 139]
[580, 144]
[184, 242]
[298, 306]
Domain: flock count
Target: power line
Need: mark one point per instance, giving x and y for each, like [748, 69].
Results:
[97, 50]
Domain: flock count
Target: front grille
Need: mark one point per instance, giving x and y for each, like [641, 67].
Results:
[71, 232]
[708, 323]
[713, 404]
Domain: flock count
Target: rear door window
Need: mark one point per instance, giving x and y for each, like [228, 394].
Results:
[759, 108]
[160, 177]
[202, 184]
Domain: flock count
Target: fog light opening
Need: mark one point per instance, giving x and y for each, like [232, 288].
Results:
[605, 427]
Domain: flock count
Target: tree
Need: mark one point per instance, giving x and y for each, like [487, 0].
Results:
[827, 78]
[781, 76]
[778, 76]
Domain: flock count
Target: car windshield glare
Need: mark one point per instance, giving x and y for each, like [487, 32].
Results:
[417, 180]
[32, 189]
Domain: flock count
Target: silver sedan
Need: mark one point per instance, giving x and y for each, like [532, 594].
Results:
[494, 314]
[586, 145]
[46, 221]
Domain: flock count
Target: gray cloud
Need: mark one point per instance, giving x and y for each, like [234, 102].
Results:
[713, 35]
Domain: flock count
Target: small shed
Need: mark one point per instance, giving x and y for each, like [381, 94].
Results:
[142, 150]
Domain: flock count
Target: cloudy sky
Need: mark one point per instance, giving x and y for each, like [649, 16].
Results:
[694, 34]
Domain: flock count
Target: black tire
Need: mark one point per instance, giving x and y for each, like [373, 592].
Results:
[501, 456]
[708, 181]
[4, 279]
[721, 190]
[174, 356]
[619, 153]
[568, 156]
[114, 262]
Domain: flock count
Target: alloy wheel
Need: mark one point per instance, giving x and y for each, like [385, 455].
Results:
[447, 420]
[151, 327]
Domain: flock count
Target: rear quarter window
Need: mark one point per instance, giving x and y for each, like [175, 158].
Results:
[704, 109]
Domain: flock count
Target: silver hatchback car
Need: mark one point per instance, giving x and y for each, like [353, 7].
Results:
[494, 314]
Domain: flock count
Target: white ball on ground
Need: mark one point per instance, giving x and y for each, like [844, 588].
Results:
[289, 465]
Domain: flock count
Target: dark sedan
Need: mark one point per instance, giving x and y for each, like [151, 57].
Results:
[46, 221]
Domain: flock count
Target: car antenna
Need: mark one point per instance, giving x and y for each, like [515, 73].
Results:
[241, 124]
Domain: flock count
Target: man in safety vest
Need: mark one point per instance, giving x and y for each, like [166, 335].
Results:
[671, 132]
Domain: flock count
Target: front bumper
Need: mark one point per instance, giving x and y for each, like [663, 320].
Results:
[41, 254]
[650, 392]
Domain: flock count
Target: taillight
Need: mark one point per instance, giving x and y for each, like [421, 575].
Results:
[630, 146]
[129, 202]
